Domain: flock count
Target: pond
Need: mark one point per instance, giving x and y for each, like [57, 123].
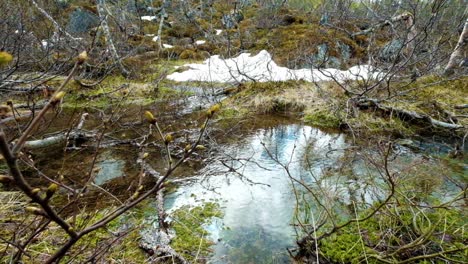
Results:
[259, 198]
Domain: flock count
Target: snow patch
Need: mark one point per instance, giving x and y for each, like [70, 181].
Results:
[262, 68]
[148, 18]
[200, 42]
[218, 32]
[155, 39]
[167, 46]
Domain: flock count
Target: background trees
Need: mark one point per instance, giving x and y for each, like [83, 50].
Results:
[132, 45]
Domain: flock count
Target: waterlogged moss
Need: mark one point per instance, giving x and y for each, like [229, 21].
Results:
[191, 238]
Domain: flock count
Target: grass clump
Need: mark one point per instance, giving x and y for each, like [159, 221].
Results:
[372, 122]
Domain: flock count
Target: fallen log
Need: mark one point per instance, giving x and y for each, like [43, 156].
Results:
[405, 114]
[156, 240]
[76, 135]
[462, 106]
[403, 17]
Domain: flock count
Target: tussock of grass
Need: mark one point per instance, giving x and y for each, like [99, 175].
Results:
[435, 97]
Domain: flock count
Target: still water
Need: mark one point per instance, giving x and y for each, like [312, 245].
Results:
[255, 192]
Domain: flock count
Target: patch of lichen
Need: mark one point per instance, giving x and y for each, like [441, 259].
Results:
[191, 238]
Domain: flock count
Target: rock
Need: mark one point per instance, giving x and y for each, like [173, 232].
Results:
[63, 4]
[228, 21]
[152, 238]
[82, 21]
[131, 6]
[345, 52]
[391, 50]
[231, 20]
[324, 20]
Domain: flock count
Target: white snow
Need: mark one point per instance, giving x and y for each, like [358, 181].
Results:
[155, 39]
[149, 35]
[218, 32]
[262, 68]
[167, 46]
[200, 42]
[148, 18]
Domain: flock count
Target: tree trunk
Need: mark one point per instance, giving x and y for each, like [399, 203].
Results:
[110, 44]
[457, 53]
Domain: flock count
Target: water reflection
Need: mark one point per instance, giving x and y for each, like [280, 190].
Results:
[258, 200]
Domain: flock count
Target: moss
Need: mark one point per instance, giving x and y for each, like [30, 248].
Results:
[393, 229]
[434, 96]
[228, 113]
[322, 118]
[187, 54]
[372, 122]
[292, 45]
[191, 237]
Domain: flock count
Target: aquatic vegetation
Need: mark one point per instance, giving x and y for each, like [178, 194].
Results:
[191, 239]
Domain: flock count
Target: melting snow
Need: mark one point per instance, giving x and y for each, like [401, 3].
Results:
[155, 39]
[167, 46]
[262, 68]
[219, 31]
[200, 42]
[148, 18]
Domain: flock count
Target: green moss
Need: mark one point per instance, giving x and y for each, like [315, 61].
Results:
[394, 228]
[434, 96]
[228, 113]
[322, 118]
[191, 237]
[290, 45]
[372, 122]
[187, 54]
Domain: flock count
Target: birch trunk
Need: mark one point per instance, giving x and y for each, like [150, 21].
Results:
[110, 43]
[457, 53]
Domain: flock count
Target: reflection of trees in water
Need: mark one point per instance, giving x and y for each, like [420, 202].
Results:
[253, 245]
